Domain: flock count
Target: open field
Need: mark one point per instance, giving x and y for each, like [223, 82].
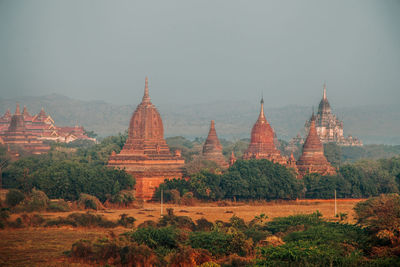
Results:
[45, 246]
[213, 212]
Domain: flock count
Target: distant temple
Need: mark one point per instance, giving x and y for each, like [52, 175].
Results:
[42, 127]
[146, 155]
[18, 136]
[262, 144]
[329, 127]
[312, 159]
[212, 148]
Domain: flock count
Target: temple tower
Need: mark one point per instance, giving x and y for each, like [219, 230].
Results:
[313, 159]
[262, 141]
[212, 148]
[146, 155]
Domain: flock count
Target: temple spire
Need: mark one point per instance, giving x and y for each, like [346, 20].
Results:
[262, 116]
[324, 95]
[146, 97]
[17, 111]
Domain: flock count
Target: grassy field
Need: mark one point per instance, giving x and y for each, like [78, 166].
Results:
[45, 246]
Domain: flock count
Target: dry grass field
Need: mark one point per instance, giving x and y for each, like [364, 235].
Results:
[45, 246]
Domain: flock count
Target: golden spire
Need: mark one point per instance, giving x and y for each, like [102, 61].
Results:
[324, 95]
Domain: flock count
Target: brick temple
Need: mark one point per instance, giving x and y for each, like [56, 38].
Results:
[18, 137]
[212, 148]
[42, 126]
[262, 144]
[313, 159]
[146, 155]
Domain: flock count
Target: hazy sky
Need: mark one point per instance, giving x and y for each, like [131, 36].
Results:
[197, 51]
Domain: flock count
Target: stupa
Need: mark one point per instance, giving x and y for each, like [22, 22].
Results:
[313, 159]
[262, 141]
[212, 148]
[146, 155]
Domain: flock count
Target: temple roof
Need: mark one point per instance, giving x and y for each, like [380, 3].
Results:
[324, 106]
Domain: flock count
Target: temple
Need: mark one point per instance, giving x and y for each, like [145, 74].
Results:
[146, 155]
[262, 144]
[42, 126]
[212, 148]
[329, 127]
[17, 137]
[312, 159]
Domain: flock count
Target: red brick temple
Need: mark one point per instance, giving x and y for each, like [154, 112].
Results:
[146, 155]
[313, 159]
[262, 141]
[212, 148]
[18, 136]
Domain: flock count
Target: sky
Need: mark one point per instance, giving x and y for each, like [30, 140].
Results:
[202, 51]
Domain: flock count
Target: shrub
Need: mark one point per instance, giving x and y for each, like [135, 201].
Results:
[125, 220]
[36, 201]
[166, 237]
[86, 201]
[283, 224]
[58, 206]
[123, 198]
[188, 199]
[187, 256]
[203, 225]
[82, 219]
[217, 243]
[14, 197]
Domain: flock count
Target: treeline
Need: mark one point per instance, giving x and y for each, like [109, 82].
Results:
[264, 180]
[66, 172]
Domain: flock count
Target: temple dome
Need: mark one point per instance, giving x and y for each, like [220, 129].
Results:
[146, 122]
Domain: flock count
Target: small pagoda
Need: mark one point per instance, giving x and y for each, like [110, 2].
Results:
[146, 155]
[313, 159]
[212, 148]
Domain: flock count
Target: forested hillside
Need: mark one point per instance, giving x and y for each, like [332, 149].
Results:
[373, 124]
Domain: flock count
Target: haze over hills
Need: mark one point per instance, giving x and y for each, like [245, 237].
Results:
[371, 123]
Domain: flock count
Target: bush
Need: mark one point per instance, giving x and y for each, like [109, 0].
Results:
[125, 220]
[58, 206]
[283, 224]
[166, 237]
[82, 219]
[86, 201]
[123, 198]
[14, 197]
[36, 201]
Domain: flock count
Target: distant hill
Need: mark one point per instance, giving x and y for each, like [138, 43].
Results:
[372, 124]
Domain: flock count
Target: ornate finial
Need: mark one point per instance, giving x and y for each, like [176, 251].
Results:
[212, 124]
[146, 97]
[262, 109]
[17, 111]
[324, 96]
[25, 110]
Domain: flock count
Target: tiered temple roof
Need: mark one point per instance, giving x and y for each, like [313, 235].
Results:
[17, 136]
[146, 155]
[312, 159]
[212, 148]
[42, 126]
[329, 127]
